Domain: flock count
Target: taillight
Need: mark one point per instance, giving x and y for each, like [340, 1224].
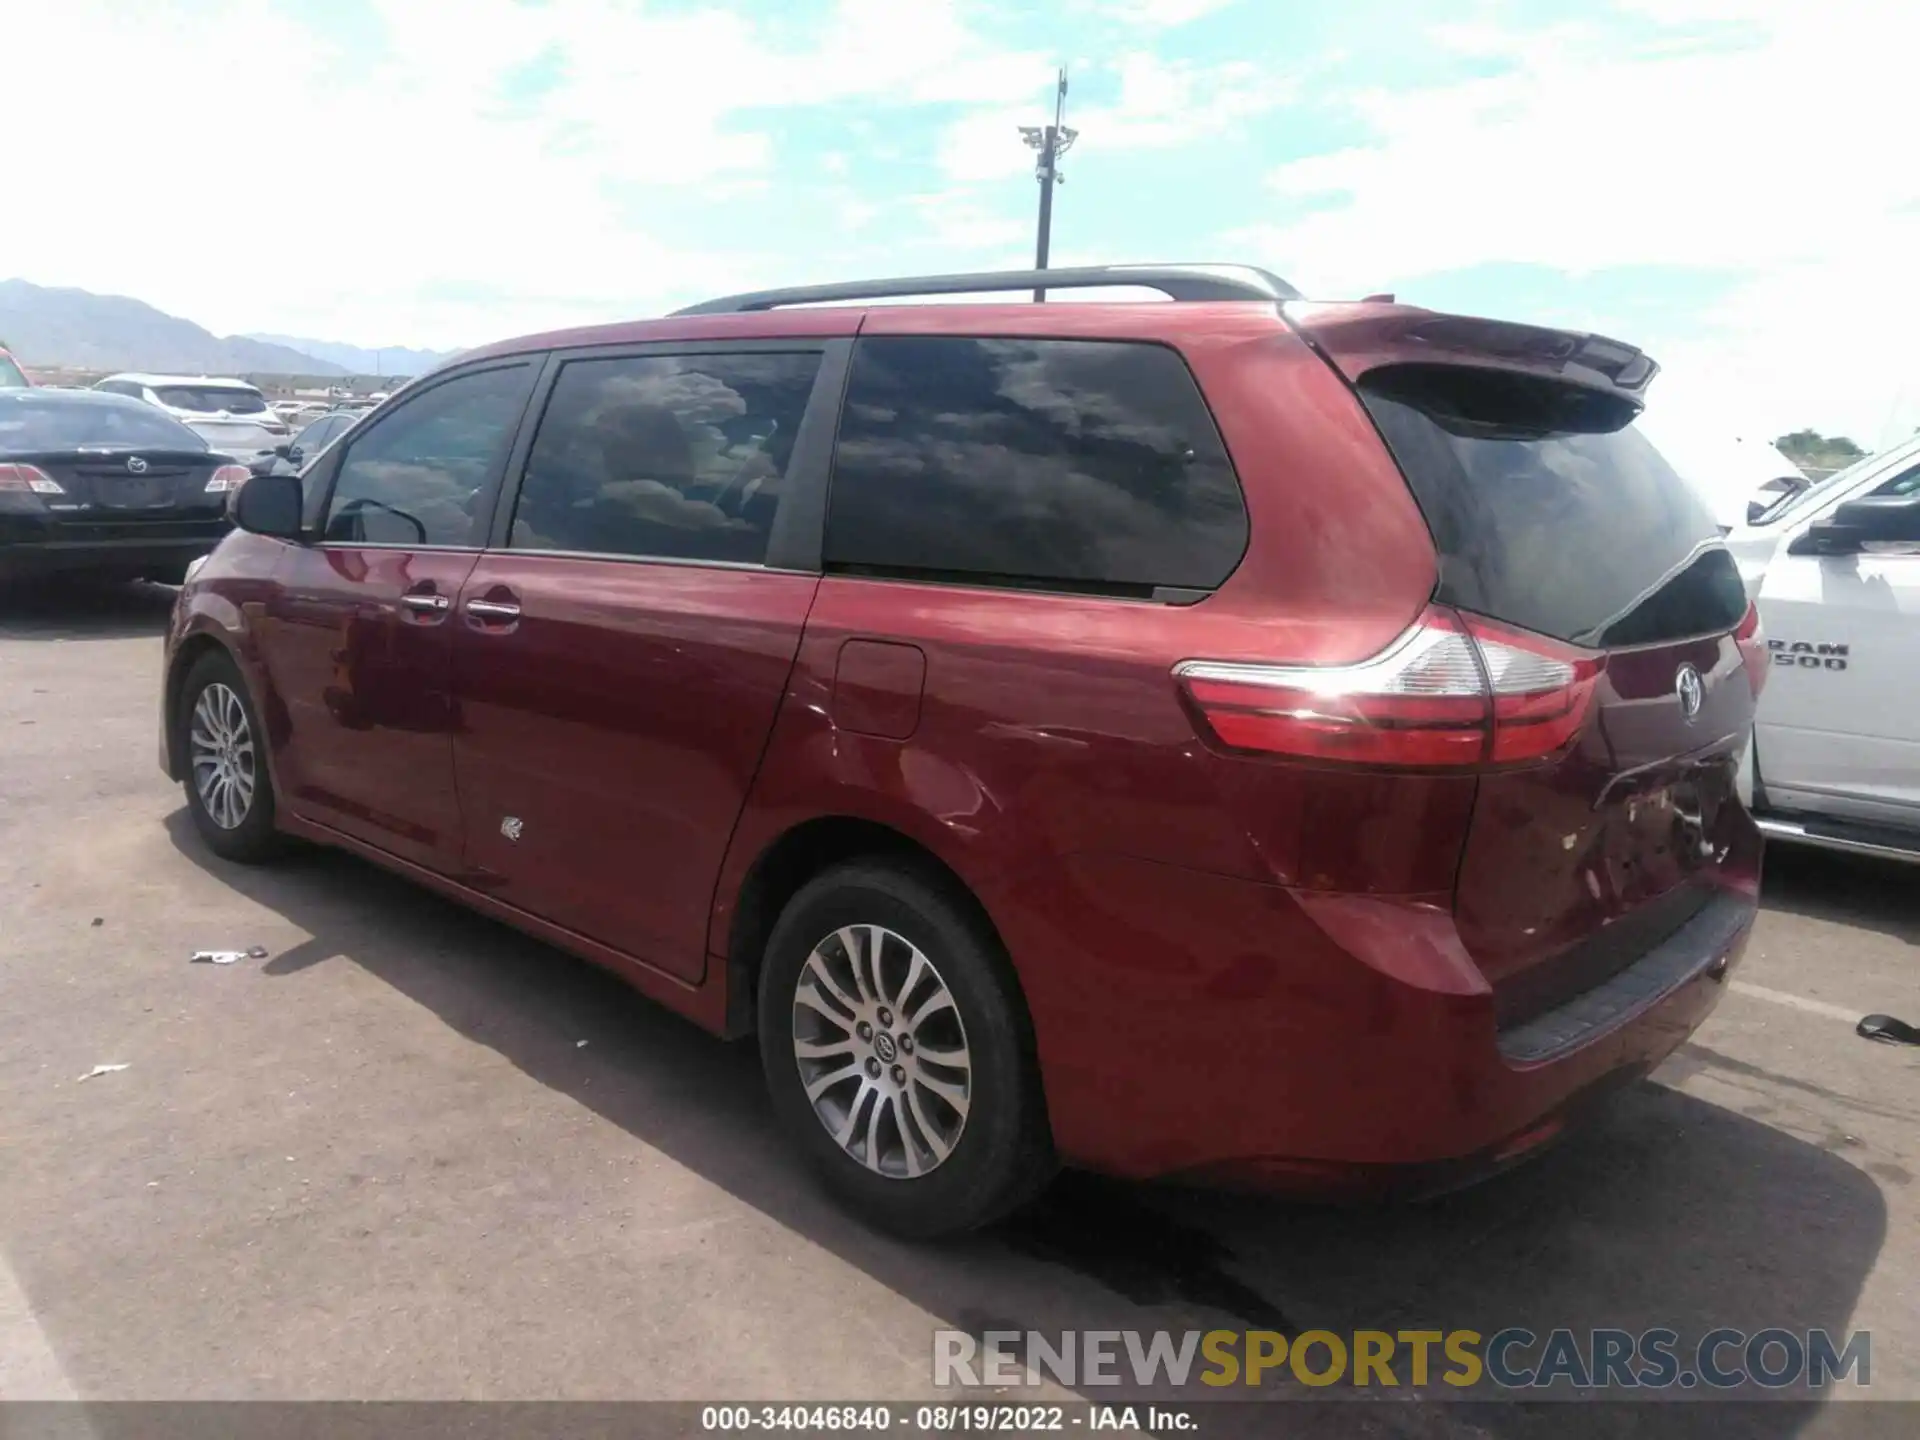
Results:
[1753, 648]
[1452, 690]
[20, 477]
[1541, 689]
[227, 477]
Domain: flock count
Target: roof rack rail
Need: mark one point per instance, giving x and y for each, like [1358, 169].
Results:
[1176, 282]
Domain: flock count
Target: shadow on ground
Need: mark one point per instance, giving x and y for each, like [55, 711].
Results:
[82, 610]
[1672, 1212]
[1881, 895]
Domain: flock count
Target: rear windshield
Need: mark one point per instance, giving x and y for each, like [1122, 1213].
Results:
[210, 398]
[28, 422]
[10, 376]
[1550, 511]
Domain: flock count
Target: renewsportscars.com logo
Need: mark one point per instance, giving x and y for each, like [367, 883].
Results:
[1513, 1359]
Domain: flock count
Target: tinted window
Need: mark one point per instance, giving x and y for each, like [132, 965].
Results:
[208, 399]
[1066, 464]
[416, 478]
[1905, 483]
[10, 375]
[1551, 512]
[28, 422]
[671, 456]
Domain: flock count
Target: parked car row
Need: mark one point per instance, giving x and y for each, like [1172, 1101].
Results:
[1243, 739]
[232, 415]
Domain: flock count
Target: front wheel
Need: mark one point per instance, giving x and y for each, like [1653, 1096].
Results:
[898, 1052]
[229, 792]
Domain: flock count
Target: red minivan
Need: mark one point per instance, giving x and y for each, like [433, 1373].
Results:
[1236, 739]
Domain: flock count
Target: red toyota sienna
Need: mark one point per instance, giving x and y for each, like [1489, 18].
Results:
[1235, 739]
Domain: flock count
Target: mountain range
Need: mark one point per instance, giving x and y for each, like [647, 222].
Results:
[357, 359]
[77, 329]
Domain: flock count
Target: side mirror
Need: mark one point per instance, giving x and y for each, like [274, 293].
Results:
[1856, 524]
[269, 505]
[285, 452]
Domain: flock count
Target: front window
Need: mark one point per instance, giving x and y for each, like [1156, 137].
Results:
[1801, 502]
[211, 399]
[416, 477]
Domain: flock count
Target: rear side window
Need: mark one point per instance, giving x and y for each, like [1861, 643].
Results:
[1550, 511]
[1047, 464]
[668, 456]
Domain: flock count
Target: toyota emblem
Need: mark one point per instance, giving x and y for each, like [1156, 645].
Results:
[136, 466]
[1687, 685]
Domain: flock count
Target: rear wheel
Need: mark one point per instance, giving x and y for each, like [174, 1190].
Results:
[898, 1052]
[229, 792]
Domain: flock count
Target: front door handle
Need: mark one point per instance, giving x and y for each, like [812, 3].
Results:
[430, 604]
[493, 609]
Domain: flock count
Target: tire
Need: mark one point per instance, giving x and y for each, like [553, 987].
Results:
[242, 832]
[938, 1171]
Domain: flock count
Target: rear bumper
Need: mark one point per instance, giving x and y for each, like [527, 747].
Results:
[1334, 1045]
[24, 559]
[1701, 945]
[1506, 1106]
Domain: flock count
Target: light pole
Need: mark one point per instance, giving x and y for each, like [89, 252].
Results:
[1052, 141]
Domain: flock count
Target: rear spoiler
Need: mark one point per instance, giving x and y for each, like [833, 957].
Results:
[1356, 338]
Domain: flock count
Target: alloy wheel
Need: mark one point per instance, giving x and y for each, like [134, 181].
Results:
[221, 754]
[882, 1051]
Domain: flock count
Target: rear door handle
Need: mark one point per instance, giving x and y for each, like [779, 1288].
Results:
[493, 609]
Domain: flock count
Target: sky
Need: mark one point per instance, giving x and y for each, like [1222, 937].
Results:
[1729, 184]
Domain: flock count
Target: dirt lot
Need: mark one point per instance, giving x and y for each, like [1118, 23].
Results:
[414, 1155]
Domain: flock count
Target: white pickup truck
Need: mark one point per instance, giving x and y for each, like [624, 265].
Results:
[1835, 571]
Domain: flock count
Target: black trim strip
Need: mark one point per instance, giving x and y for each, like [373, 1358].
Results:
[800, 524]
[1696, 948]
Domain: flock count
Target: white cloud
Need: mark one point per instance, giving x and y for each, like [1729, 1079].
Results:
[1154, 14]
[451, 191]
[1827, 342]
[1778, 153]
